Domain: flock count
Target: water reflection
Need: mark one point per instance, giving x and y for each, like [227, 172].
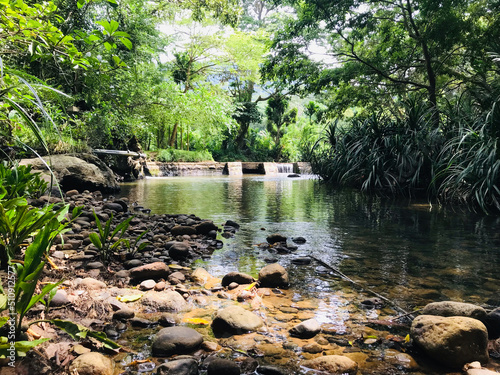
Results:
[404, 250]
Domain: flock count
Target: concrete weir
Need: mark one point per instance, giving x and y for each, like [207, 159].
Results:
[266, 168]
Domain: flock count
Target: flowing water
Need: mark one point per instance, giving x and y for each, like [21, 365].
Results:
[408, 251]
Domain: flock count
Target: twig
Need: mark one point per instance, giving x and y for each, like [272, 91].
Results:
[345, 277]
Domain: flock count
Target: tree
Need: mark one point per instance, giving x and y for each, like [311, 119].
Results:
[278, 118]
[381, 50]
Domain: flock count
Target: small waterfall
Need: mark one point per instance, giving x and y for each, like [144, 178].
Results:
[284, 167]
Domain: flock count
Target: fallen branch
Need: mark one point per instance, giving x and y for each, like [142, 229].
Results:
[345, 277]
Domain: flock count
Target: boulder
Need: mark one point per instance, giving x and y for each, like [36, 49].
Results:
[221, 366]
[276, 237]
[179, 251]
[492, 322]
[307, 329]
[333, 364]
[237, 277]
[156, 270]
[92, 363]
[165, 301]
[183, 366]
[176, 340]
[235, 319]
[451, 308]
[273, 276]
[451, 341]
[85, 172]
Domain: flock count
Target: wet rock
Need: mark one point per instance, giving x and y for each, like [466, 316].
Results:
[209, 346]
[183, 366]
[221, 366]
[142, 323]
[312, 347]
[232, 286]
[122, 203]
[91, 283]
[180, 230]
[235, 319]
[272, 276]
[451, 308]
[179, 251]
[271, 370]
[92, 364]
[301, 261]
[230, 223]
[372, 303]
[113, 206]
[176, 340]
[156, 270]
[333, 364]
[167, 320]
[201, 275]
[165, 301]
[147, 284]
[60, 298]
[237, 277]
[124, 314]
[276, 237]
[492, 322]
[205, 227]
[176, 278]
[475, 368]
[307, 329]
[299, 240]
[451, 341]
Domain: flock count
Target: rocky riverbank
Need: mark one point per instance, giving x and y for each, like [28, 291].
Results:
[173, 317]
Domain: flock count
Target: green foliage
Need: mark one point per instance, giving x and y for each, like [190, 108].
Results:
[20, 182]
[173, 155]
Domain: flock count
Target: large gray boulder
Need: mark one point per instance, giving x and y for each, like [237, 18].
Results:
[333, 364]
[451, 308]
[82, 172]
[451, 341]
[273, 276]
[176, 340]
[235, 319]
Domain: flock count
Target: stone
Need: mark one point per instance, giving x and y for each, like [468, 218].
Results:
[201, 275]
[301, 261]
[180, 230]
[60, 298]
[451, 308]
[165, 301]
[160, 286]
[451, 341]
[299, 240]
[133, 263]
[235, 319]
[176, 340]
[113, 206]
[71, 193]
[276, 237]
[231, 223]
[92, 364]
[205, 227]
[124, 314]
[147, 284]
[91, 283]
[271, 370]
[237, 277]
[176, 278]
[333, 364]
[183, 366]
[273, 276]
[95, 266]
[179, 251]
[85, 172]
[306, 329]
[209, 346]
[156, 270]
[492, 322]
[221, 366]
[312, 347]
[142, 323]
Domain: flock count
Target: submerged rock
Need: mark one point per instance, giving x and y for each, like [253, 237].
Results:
[235, 319]
[333, 364]
[276, 237]
[451, 341]
[451, 308]
[176, 340]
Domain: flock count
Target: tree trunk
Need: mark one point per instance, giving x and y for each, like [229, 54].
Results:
[173, 136]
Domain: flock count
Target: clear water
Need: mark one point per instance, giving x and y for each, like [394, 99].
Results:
[405, 250]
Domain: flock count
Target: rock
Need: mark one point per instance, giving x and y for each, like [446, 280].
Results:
[147, 284]
[209, 346]
[176, 340]
[301, 261]
[333, 364]
[91, 283]
[160, 286]
[312, 347]
[85, 172]
[273, 238]
[156, 270]
[201, 275]
[179, 251]
[372, 303]
[95, 266]
[299, 240]
[180, 230]
[165, 301]
[60, 298]
[221, 366]
[183, 366]
[113, 207]
[307, 329]
[71, 193]
[237, 277]
[176, 278]
[122, 203]
[123, 274]
[142, 323]
[451, 341]
[233, 285]
[133, 263]
[205, 227]
[273, 276]
[450, 308]
[271, 370]
[235, 319]
[124, 314]
[492, 322]
[230, 223]
[92, 364]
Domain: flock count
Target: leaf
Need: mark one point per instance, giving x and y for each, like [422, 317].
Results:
[131, 298]
[77, 332]
[22, 347]
[3, 320]
[407, 338]
[127, 43]
[198, 321]
[95, 240]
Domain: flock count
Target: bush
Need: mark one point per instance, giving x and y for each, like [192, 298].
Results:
[173, 155]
